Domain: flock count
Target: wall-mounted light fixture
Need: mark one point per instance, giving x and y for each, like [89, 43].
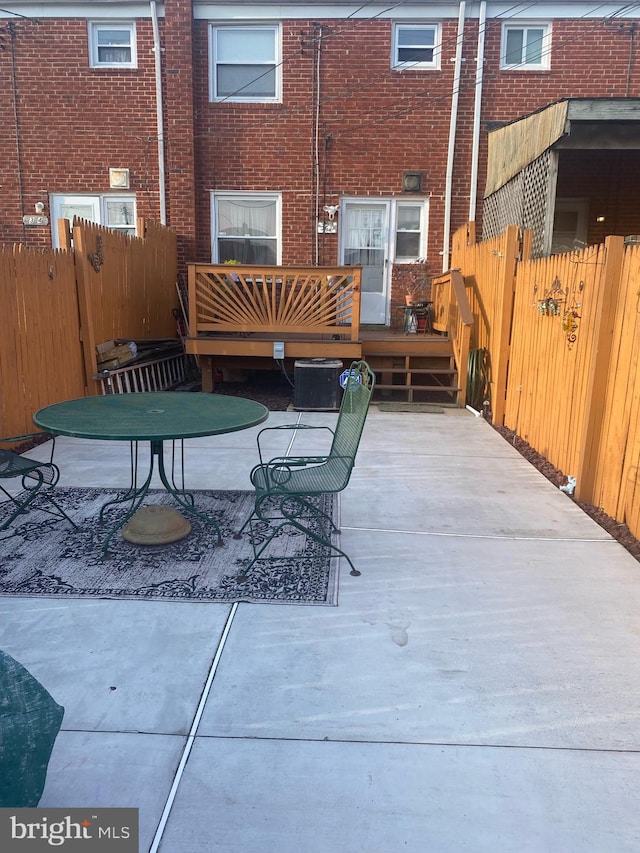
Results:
[119, 179]
[599, 218]
[329, 225]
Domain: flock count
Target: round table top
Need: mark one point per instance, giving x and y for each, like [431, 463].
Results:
[150, 416]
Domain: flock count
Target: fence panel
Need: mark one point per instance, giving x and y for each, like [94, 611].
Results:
[488, 269]
[40, 350]
[551, 351]
[108, 285]
[126, 286]
[616, 488]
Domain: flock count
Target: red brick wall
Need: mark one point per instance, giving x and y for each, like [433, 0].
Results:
[375, 123]
[74, 122]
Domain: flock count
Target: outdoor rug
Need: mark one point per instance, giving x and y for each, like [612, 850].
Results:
[41, 555]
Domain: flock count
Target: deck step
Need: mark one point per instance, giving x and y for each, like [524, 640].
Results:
[415, 377]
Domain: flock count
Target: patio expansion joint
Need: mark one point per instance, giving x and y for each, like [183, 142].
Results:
[455, 744]
[395, 531]
[191, 737]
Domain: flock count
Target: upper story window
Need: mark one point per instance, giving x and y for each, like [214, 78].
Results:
[246, 228]
[114, 211]
[244, 63]
[526, 48]
[410, 231]
[416, 46]
[112, 44]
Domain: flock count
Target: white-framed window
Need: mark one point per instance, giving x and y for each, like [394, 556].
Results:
[112, 44]
[244, 62]
[114, 211]
[526, 47]
[416, 46]
[246, 227]
[410, 231]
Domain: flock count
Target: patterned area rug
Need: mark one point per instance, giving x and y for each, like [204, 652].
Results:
[41, 555]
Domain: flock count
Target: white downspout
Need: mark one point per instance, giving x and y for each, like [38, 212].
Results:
[475, 145]
[452, 138]
[158, 63]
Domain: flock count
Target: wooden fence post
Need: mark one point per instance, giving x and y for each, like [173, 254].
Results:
[605, 314]
[500, 352]
[87, 331]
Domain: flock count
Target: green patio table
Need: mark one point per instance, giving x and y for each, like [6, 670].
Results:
[155, 417]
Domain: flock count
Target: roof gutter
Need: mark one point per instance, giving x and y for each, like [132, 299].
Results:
[475, 144]
[452, 137]
[157, 50]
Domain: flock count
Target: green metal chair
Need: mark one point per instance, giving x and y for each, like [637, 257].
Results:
[287, 487]
[34, 474]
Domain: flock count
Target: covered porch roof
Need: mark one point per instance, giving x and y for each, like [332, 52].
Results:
[578, 123]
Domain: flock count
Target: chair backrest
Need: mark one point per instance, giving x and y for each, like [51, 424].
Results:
[352, 416]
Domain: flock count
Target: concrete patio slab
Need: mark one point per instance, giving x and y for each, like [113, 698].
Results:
[116, 665]
[469, 642]
[113, 770]
[477, 688]
[292, 796]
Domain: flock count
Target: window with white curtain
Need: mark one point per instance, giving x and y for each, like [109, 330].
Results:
[114, 211]
[246, 228]
[244, 63]
[112, 44]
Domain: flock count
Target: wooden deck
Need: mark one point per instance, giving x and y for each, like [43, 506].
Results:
[252, 318]
[414, 367]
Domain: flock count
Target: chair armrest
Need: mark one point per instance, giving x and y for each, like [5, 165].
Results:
[290, 427]
[12, 439]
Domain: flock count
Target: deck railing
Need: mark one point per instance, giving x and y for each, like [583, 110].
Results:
[231, 298]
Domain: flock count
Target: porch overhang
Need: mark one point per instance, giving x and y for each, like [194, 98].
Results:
[577, 123]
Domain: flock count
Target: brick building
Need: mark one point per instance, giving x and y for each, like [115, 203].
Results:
[297, 134]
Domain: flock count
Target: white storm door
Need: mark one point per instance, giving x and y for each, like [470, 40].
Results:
[365, 243]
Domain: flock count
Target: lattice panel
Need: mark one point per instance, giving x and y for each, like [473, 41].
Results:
[522, 201]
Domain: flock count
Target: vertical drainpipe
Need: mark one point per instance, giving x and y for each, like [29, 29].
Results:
[158, 63]
[452, 137]
[475, 146]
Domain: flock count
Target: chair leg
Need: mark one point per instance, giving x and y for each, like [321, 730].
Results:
[22, 506]
[291, 519]
[322, 540]
[62, 513]
[238, 534]
[33, 492]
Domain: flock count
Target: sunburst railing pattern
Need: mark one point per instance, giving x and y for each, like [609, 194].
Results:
[295, 300]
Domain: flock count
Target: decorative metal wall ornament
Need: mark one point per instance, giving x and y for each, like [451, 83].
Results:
[97, 257]
[552, 299]
[571, 316]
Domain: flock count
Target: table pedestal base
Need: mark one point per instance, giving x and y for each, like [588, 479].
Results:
[156, 525]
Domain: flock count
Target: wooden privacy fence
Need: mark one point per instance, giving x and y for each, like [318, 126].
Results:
[562, 336]
[56, 305]
[40, 353]
[253, 299]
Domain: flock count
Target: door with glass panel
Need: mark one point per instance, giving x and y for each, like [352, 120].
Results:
[365, 243]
